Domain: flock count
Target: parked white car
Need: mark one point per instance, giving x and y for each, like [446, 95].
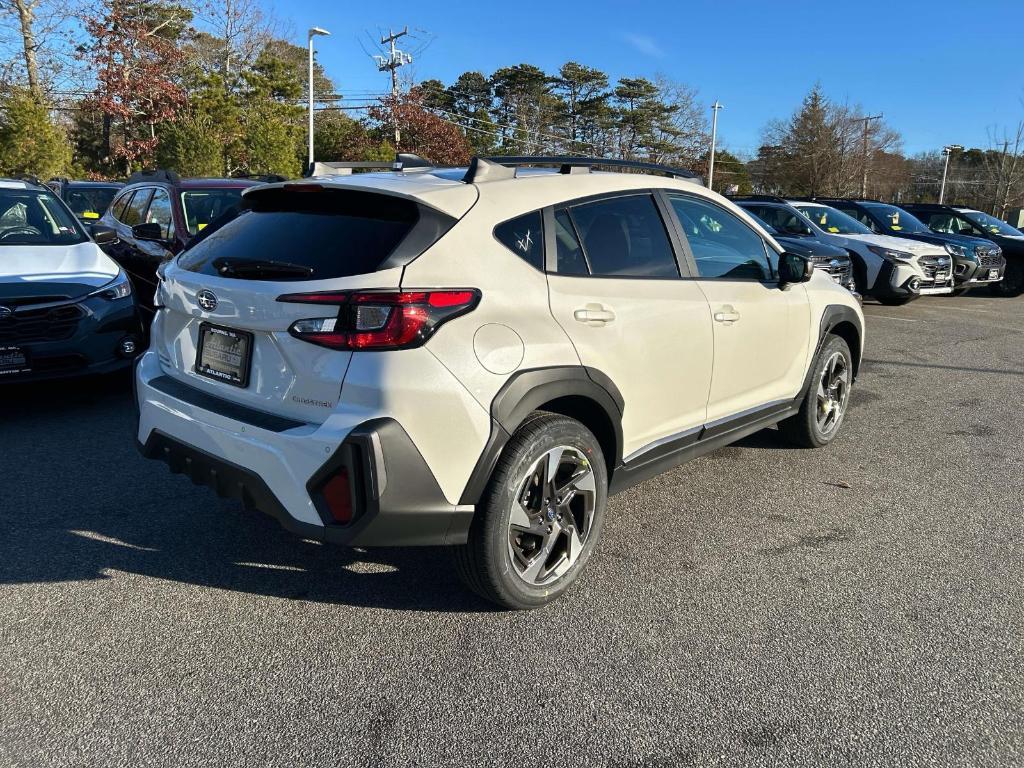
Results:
[479, 357]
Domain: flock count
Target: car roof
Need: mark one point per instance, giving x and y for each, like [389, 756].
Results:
[115, 184]
[203, 183]
[529, 189]
[17, 184]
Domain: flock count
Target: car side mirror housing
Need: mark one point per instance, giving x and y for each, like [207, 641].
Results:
[102, 234]
[151, 231]
[794, 269]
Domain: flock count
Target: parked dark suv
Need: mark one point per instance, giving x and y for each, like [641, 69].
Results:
[831, 259]
[157, 214]
[976, 260]
[88, 200]
[960, 220]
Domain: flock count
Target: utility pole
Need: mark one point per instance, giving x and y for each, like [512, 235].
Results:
[391, 64]
[714, 136]
[947, 151]
[864, 179]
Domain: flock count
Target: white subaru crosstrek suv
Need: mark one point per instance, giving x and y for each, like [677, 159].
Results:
[893, 270]
[479, 357]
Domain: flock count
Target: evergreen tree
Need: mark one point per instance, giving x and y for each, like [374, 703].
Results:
[29, 141]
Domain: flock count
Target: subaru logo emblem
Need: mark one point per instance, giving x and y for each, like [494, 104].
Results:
[6, 312]
[206, 300]
[834, 264]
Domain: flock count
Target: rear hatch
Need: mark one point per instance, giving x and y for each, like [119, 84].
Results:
[224, 329]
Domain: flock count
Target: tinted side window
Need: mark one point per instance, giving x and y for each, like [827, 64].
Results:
[135, 213]
[524, 237]
[571, 260]
[119, 205]
[722, 245]
[160, 213]
[625, 237]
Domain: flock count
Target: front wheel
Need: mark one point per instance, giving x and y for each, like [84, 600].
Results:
[540, 516]
[1012, 283]
[824, 406]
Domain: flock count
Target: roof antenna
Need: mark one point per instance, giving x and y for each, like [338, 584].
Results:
[485, 170]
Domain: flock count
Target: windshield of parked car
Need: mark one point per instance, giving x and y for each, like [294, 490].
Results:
[832, 221]
[36, 217]
[202, 206]
[89, 202]
[897, 220]
[991, 224]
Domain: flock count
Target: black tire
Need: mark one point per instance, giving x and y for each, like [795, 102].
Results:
[486, 563]
[895, 301]
[804, 430]
[1012, 284]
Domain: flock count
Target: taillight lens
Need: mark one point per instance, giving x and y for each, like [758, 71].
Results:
[374, 320]
[337, 492]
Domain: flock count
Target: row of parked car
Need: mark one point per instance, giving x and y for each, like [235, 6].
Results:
[466, 357]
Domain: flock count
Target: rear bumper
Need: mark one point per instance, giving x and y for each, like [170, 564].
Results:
[278, 466]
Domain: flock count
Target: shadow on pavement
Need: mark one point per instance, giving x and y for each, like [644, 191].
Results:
[77, 502]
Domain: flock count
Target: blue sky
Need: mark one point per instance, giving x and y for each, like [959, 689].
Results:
[941, 71]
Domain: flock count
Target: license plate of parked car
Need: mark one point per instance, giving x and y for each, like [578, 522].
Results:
[13, 360]
[993, 274]
[224, 354]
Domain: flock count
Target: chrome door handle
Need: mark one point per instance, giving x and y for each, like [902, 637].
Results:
[594, 314]
[728, 316]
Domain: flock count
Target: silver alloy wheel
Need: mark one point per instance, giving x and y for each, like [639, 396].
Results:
[833, 393]
[552, 515]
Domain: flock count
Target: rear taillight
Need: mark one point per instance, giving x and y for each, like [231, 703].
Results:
[369, 320]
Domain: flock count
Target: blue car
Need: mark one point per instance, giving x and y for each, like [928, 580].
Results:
[66, 308]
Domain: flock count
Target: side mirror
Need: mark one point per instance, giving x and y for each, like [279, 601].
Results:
[151, 231]
[794, 269]
[102, 234]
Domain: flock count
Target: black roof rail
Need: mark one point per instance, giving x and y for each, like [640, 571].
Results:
[568, 163]
[28, 178]
[154, 174]
[759, 198]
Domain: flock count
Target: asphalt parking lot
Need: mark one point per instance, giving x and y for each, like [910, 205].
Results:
[860, 604]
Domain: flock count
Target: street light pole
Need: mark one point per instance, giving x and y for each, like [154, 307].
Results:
[313, 32]
[947, 151]
[714, 136]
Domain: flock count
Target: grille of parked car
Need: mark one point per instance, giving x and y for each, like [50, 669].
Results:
[838, 268]
[988, 257]
[33, 325]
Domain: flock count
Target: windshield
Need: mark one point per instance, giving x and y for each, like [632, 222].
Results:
[202, 206]
[36, 217]
[897, 220]
[991, 224]
[832, 221]
[89, 202]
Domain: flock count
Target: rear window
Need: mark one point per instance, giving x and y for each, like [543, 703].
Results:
[285, 234]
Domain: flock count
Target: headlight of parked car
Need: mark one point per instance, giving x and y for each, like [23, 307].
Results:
[956, 250]
[118, 288]
[889, 254]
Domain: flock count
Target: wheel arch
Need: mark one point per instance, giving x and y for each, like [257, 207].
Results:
[842, 321]
[581, 393]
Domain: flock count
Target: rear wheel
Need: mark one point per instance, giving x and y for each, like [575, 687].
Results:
[824, 406]
[1012, 283]
[540, 516]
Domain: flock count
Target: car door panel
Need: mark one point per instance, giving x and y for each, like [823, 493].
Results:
[760, 330]
[618, 296]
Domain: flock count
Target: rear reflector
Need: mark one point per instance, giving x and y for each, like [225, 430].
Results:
[379, 320]
[337, 493]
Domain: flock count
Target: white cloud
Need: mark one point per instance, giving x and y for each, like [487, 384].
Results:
[645, 45]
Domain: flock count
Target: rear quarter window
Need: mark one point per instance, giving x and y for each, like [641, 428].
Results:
[524, 236]
[315, 235]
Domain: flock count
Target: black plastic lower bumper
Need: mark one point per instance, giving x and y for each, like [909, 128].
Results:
[396, 499]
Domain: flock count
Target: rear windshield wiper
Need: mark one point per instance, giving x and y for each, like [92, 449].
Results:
[256, 268]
